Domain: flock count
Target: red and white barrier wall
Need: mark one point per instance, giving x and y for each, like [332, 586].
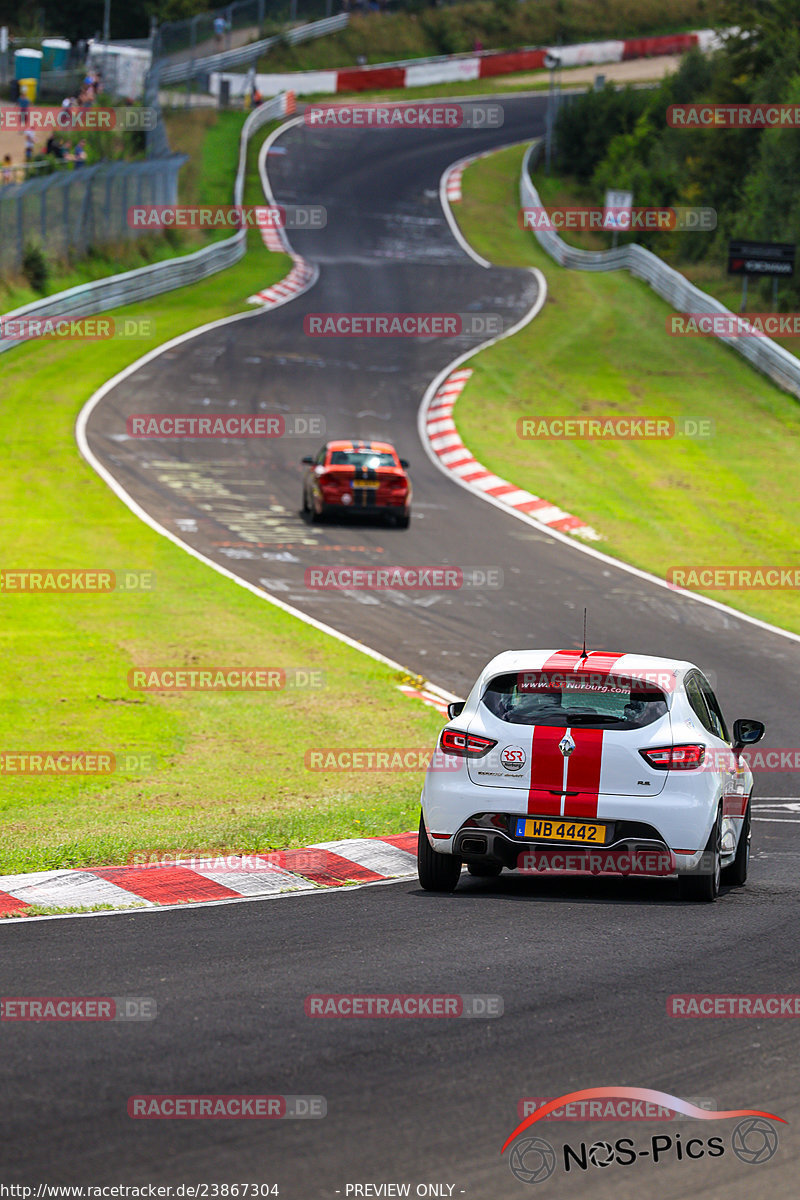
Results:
[466, 69]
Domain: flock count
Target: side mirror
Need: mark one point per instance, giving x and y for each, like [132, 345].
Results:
[455, 708]
[308, 460]
[746, 732]
[404, 463]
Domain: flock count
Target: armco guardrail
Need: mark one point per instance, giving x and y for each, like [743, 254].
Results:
[91, 298]
[181, 71]
[761, 352]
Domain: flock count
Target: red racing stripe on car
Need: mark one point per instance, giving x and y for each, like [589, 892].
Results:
[562, 660]
[547, 771]
[595, 660]
[734, 805]
[583, 773]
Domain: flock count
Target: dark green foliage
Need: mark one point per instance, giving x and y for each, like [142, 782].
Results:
[35, 268]
[749, 176]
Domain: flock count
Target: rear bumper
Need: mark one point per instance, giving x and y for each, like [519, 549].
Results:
[637, 855]
[676, 820]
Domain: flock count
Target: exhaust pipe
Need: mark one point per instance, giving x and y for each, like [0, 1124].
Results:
[473, 845]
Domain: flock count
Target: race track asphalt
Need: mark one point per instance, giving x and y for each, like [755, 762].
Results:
[584, 969]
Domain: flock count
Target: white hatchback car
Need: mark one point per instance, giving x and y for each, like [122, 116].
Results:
[602, 763]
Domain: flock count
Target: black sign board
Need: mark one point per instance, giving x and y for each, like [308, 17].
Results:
[761, 258]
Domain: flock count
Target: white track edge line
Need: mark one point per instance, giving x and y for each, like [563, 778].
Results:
[116, 487]
[556, 533]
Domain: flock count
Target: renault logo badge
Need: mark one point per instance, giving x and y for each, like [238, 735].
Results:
[566, 745]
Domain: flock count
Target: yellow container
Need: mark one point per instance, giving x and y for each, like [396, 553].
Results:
[27, 88]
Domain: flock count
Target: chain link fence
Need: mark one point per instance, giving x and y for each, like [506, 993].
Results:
[235, 25]
[146, 282]
[69, 211]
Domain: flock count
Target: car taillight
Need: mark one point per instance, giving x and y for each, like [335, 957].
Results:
[465, 745]
[675, 758]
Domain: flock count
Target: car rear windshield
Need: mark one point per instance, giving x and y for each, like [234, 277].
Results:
[556, 698]
[361, 458]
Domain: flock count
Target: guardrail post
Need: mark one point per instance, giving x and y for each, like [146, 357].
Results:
[20, 231]
[67, 246]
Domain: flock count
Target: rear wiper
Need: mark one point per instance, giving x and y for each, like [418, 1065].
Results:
[593, 718]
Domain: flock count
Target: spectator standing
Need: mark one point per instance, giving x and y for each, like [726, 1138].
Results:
[7, 174]
[79, 154]
[54, 146]
[30, 144]
[219, 32]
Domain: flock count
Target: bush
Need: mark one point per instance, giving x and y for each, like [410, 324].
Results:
[586, 127]
[35, 268]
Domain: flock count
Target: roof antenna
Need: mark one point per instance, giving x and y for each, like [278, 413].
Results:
[583, 653]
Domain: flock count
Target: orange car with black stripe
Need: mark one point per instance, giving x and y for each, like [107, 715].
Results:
[362, 477]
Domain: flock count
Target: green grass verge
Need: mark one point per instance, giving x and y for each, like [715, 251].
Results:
[54, 910]
[710, 275]
[600, 347]
[453, 29]
[229, 767]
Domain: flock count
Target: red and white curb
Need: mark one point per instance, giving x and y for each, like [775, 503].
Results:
[453, 182]
[427, 697]
[214, 878]
[298, 279]
[445, 441]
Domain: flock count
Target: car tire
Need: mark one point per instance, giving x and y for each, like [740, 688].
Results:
[485, 870]
[403, 521]
[705, 888]
[736, 874]
[437, 872]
